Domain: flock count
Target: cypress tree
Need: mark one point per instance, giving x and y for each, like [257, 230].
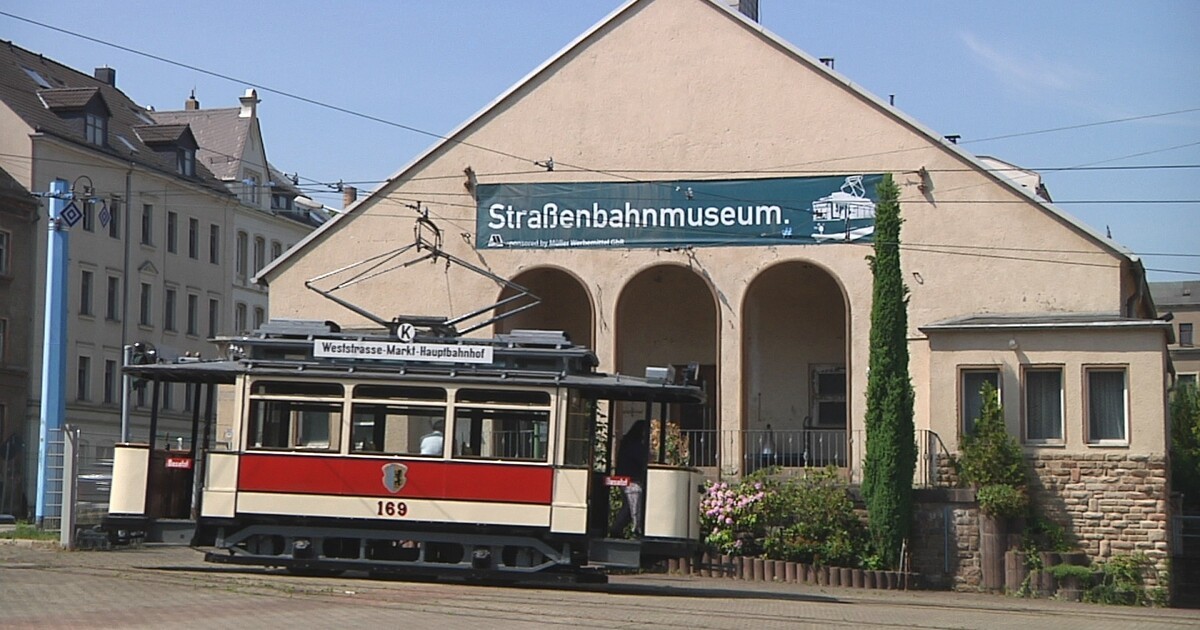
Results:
[891, 448]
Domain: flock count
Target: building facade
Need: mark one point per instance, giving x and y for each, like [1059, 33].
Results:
[1182, 301]
[708, 202]
[150, 258]
[268, 220]
[18, 223]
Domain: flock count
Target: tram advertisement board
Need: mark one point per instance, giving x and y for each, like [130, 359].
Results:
[398, 351]
[735, 212]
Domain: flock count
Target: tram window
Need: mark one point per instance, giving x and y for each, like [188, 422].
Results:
[504, 434]
[395, 392]
[393, 429]
[503, 397]
[578, 430]
[294, 424]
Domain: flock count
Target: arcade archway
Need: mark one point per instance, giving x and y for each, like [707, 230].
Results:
[565, 305]
[795, 358]
[667, 316]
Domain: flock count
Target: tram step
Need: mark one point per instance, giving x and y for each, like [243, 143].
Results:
[615, 552]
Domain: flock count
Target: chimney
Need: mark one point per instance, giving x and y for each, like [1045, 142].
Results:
[349, 196]
[191, 104]
[106, 75]
[249, 104]
[748, 8]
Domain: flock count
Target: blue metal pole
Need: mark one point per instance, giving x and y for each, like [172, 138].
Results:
[54, 350]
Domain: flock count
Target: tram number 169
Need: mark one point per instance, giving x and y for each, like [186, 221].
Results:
[393, 508]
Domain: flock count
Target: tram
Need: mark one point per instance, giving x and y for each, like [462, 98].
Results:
[407, 451]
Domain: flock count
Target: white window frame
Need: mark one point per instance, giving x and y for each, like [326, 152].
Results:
[963, 392]
[170, 305]
[1088, 371]
[214, 243]
[1062, 415]
[83, 378]
[145, 304]
[193, 238]
[87, 287]
[173, 232]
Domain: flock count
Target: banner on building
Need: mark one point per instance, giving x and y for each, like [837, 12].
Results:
[739, 212]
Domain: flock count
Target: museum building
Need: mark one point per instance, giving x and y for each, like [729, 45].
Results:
[708, 201]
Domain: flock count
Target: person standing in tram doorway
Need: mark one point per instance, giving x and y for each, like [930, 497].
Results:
[632, 459]
[432, 442]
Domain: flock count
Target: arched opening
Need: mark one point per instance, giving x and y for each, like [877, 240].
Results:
[565, 305]
[667, 316]
[794, 376]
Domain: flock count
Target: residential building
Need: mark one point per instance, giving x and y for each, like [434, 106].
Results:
[709, 201]
[150, 260]
[18, 215]
[1179, 303]
[267, 221]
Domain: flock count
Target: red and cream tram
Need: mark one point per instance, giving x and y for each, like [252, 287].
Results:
[335, 450]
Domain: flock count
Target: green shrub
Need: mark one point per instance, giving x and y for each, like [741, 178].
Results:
[1002, 500]
[822, 527]
[1120, 580]
[808, 518]
[1064, 571]
[989, 455]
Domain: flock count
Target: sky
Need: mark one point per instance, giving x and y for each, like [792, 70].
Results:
[981, 70]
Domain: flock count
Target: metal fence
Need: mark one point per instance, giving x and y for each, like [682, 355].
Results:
[748, 450]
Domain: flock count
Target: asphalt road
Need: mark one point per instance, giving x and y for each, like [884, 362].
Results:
[169, 587]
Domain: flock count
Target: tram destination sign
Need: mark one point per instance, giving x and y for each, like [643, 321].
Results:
[735, 212]
[399, 351]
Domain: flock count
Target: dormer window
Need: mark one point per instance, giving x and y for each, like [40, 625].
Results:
[173, 142]
[186, 161]
[82, 106]
[95, 128]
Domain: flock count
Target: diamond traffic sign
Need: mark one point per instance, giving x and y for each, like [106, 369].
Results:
[71, 215]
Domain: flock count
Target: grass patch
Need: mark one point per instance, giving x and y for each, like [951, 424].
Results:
[29, 531]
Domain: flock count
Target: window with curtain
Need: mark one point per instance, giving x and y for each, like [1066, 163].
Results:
[1043, 405]
[1106, 405]
[971, 403]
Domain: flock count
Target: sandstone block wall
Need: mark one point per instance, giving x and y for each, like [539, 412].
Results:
[1110, 503]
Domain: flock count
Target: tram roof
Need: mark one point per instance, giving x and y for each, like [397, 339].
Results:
[596, 384]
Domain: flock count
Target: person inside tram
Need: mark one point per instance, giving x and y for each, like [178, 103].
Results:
[633, 454]
[432, 442]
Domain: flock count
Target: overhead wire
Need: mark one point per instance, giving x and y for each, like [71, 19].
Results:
[621, 174]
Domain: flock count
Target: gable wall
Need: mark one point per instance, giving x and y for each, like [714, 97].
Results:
[679, 88]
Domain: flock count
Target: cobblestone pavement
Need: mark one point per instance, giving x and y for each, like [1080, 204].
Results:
[170, 586]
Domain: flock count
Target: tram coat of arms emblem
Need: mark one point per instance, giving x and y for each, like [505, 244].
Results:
[394, 477]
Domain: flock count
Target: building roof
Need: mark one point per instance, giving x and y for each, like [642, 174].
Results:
[30, 82]
[800, 56]
[1176, 294]
[68, 98]
[221, 134]
[161, 134]
[1041, 321]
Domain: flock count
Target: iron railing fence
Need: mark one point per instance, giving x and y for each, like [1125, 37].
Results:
[752, 449]
[1185, 536]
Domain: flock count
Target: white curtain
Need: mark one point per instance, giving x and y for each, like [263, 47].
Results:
[1106, 405]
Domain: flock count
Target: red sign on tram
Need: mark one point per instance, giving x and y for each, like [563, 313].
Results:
[617, 481]
[179, 462]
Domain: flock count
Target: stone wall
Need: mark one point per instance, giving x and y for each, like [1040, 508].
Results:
[1110, 503]
[946, 539]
